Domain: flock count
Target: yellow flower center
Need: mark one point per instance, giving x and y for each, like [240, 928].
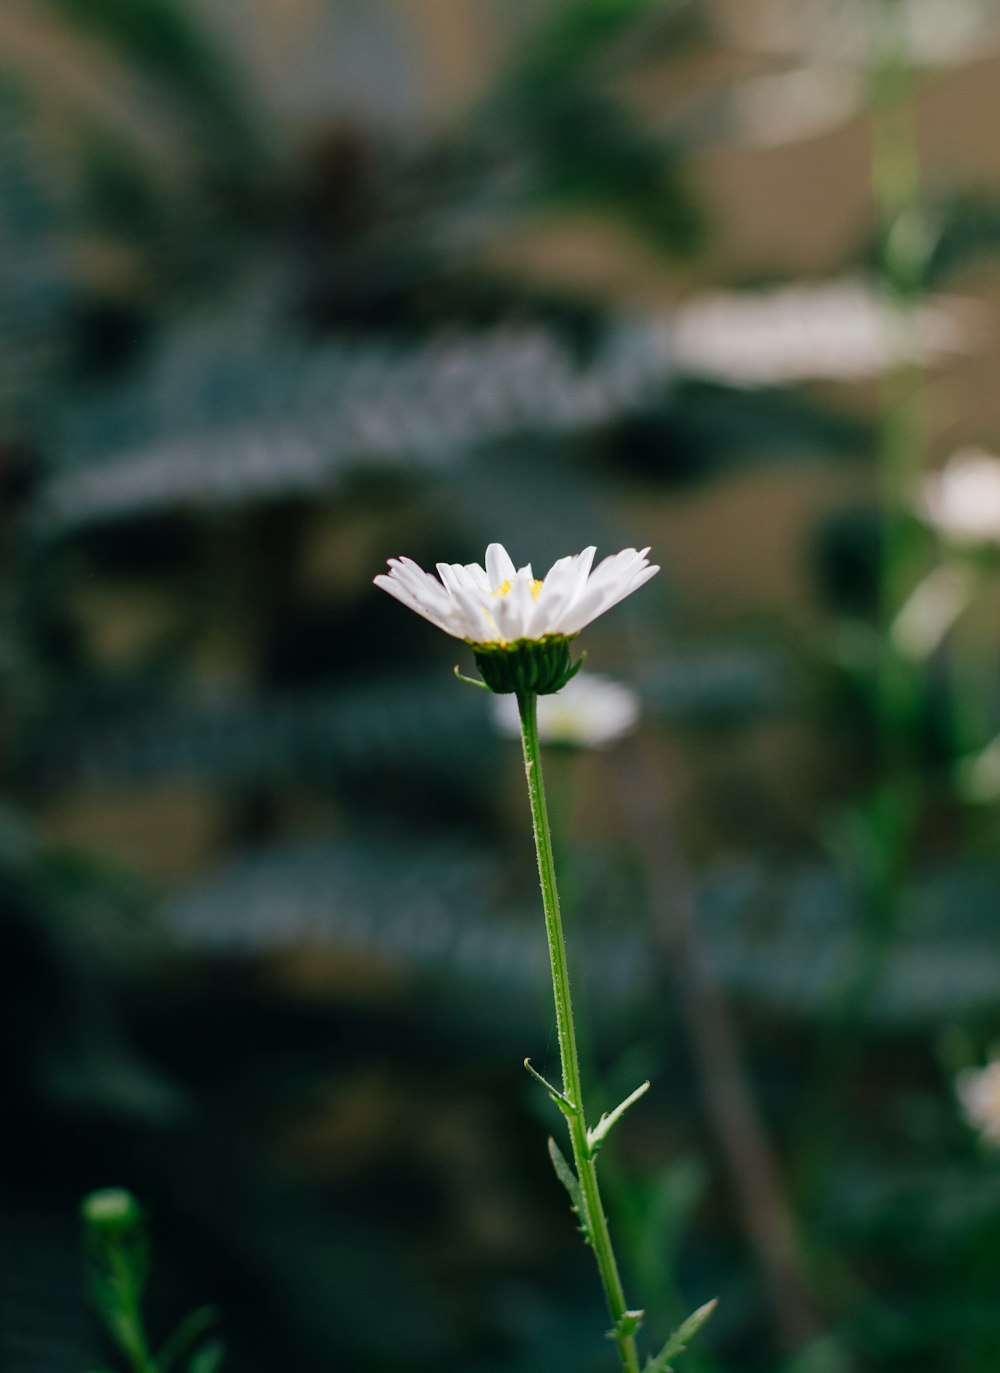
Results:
[504, 588]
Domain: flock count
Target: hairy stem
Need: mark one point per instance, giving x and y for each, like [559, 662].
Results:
[594, 1217]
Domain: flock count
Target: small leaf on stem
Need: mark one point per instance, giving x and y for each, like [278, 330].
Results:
[562, 1101]
[569, 1180]
[470, 681]
[597, 1136]
[187, 1334]
[681, 1338]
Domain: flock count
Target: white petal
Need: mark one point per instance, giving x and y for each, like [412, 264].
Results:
[615, 578]
[593, 597]
[422, 592]
[513, 611]
[453, 576]
[558, 590]
[478, 578]
[582, 563]
[499, 566]
[477, 615]
[439, 613]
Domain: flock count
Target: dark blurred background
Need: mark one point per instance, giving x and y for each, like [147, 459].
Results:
[288, 287]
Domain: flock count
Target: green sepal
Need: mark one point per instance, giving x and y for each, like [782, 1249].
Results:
[528, 666]
[680, 1339]
[569, 1180]
[599, 1133]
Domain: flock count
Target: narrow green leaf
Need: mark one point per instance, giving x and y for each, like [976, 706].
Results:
[563, 1102]
[470, 681]
[681, 1338]
[569, 1180]
[565, 1175]
[184, 1337]
[597, 1136]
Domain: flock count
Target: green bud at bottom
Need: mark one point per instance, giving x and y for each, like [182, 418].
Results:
[111, 1211]
[541, 666]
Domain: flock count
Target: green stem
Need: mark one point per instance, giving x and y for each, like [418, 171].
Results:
[594, 1218]
[127, 1325]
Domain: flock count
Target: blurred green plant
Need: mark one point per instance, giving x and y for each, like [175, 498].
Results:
[117, 1249]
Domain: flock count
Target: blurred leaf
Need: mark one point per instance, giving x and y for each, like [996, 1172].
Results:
[706, 429]
[207, 1360]
[966, 234]
[218, 423]
[334, 734]
[680, 1339]
[321, 735]
[403, 907]
[35, 281]
[582, 146]
[588, 154]
[784, 943]
[794, 941]
[190, 1330]
[165, 39]
[578, 31]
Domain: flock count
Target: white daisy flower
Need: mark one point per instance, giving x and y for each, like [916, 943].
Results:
[962, 501]
[498, 605]
[518, 624]
[978, 1091]
[590, 711]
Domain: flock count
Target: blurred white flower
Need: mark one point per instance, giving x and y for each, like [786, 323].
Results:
[978, 1091]
[935, 33]
[591, 711]
[825, 48]
[834, 330]
[790, 106]
[962, 501]
[501, 604]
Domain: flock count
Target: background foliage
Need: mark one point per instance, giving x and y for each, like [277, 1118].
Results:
[285, 290]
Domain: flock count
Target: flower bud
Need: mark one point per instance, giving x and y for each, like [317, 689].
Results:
[111, 1212]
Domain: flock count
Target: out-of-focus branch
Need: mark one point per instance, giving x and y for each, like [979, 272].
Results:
[729, 1101]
